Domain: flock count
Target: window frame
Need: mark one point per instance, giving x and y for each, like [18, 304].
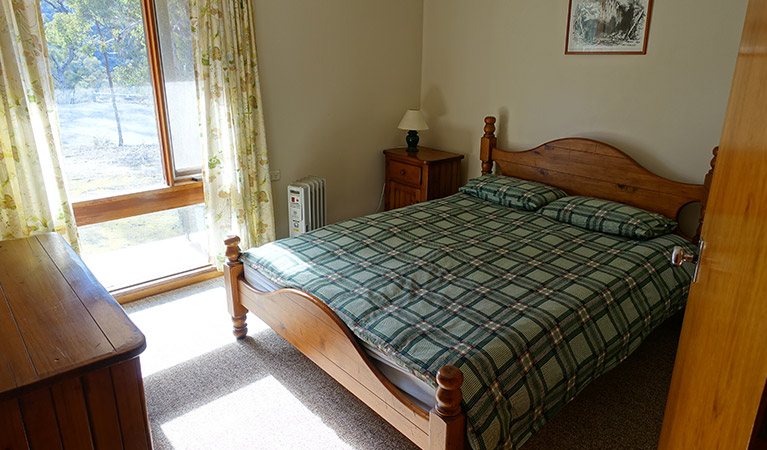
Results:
[90, 212]
[182, 190]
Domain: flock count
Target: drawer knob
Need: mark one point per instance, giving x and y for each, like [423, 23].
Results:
[402, 172]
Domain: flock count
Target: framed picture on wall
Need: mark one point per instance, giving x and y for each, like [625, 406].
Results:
[609, 27]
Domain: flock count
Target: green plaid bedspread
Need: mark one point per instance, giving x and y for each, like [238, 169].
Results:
[530, 309]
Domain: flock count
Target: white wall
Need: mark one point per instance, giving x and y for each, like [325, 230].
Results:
[336, 78]
[506, 58]
[337, 75]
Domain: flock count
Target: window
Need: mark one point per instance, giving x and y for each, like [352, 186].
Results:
[124, 82]
[134, 243]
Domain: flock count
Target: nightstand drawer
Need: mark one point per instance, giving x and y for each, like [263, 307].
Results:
[403, 173]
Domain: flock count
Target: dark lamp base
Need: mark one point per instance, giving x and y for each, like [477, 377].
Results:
[412, 141]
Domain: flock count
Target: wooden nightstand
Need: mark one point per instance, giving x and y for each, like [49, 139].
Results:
[420, 176]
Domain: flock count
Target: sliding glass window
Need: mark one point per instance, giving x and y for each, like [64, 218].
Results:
[125, 92]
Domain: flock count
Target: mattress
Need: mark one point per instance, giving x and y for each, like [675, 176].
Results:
[413, 387]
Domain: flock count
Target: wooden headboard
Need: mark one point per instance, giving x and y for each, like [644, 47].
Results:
[587, 167]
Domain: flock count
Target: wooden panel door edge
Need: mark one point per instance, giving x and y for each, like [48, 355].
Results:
[721, 363]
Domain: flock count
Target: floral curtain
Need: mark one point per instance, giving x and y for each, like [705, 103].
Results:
[32, 194]
[238, 194]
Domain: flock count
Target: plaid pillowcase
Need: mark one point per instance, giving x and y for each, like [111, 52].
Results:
[609, 217]
[510, 191]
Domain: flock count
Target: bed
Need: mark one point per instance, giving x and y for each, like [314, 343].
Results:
[379, 340]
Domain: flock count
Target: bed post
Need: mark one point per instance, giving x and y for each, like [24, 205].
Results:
[707, 191]
[487, 146]
[447, 423]
[232, 271]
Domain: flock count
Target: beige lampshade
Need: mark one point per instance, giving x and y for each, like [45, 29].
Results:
[413, 120]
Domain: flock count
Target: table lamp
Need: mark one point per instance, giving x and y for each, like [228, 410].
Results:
[412, 122]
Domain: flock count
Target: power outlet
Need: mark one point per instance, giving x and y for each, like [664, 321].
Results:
[274, 175]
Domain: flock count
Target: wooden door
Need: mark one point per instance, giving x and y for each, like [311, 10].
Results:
[721, 365]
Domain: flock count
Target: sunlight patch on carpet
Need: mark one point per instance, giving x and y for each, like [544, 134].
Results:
[262, 415]
[185, 328]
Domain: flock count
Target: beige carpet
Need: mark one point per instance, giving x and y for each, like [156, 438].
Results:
[206, 391]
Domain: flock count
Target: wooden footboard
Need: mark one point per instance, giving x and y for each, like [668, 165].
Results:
[317, 332]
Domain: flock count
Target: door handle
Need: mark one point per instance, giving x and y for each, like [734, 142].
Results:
[680, 256]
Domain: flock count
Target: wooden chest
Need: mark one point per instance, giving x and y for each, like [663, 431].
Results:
[69, 369]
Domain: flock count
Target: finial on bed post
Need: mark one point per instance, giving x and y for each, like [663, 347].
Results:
[707, 189]
[449, 380]
[487, 145]
[232, 248]
[232, 271]
[447, 422]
